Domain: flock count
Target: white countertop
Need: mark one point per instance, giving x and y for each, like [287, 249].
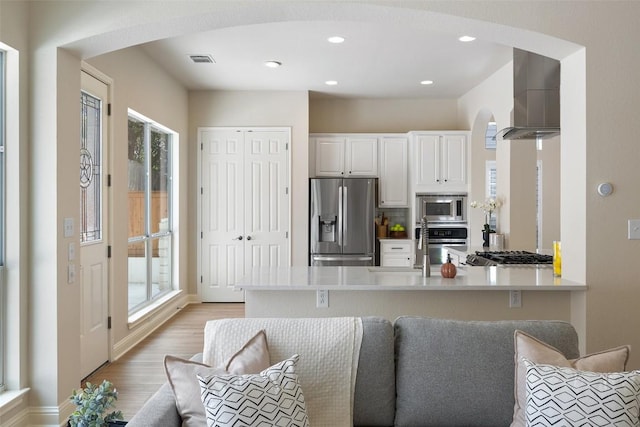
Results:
[398, 278]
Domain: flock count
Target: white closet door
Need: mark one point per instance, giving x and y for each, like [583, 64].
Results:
[244, 207]
[266, 199]
[222, 259]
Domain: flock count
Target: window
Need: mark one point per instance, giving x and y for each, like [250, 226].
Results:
[490, 180]
[150, 217]
[2, 205]
[490, 136]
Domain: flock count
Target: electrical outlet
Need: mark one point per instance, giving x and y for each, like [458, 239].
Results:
[515, 299]
[633, 229]
[322, 298]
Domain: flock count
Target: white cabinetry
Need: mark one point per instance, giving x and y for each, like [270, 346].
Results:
[346, 155]
[441, 161]
[396, 253]
[394, 174]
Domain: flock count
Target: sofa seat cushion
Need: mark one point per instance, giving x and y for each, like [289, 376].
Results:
[461, 373]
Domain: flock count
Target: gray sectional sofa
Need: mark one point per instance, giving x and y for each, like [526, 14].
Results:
[424, 372]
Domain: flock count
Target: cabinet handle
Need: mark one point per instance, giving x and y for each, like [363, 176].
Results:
[248, 237]
[398, 249]
[238, 238]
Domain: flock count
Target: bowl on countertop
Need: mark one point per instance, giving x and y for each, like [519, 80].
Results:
[398, 234]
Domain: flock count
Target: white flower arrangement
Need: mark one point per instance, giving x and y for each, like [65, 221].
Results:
[488, 207]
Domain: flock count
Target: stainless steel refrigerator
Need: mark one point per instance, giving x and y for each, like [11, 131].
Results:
[342, 221]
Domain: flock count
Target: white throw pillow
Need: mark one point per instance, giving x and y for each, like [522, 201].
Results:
[252, 358]
[560, 396]
[271, 398]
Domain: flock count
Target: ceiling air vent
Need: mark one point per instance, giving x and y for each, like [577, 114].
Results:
[202, 59]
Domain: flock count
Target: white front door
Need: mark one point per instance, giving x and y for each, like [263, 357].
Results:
[244, 206]
[93, 261]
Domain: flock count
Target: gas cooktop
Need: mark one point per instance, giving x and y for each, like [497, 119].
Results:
[512, 258]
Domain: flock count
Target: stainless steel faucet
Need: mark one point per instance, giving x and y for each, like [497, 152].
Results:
[424, 244]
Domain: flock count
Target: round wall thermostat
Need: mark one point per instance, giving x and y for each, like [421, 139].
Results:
[605, 189]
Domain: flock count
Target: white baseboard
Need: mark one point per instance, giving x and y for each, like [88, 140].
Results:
[41, 416]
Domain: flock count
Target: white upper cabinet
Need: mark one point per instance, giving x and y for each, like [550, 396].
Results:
[338, 155]
[441, 161]
[361, 156]
[394, 176]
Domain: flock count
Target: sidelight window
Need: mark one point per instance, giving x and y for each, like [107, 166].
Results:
[150, 242]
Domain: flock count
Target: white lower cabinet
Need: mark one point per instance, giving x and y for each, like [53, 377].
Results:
[396, 253]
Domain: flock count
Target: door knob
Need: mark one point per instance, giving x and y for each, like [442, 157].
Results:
[248, 237]
[238, 238]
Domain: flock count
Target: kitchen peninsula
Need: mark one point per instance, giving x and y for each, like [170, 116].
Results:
[476, 293]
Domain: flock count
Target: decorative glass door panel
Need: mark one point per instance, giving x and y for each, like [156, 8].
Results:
[90, 169]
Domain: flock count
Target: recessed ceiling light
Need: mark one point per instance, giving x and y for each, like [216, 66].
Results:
[272, 64]
[335, 39]
[466, 38]
[426, 82]
[331, 82]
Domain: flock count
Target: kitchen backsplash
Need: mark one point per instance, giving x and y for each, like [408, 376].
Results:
[396, 216]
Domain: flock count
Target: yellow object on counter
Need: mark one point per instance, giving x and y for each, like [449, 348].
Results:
[557, 259]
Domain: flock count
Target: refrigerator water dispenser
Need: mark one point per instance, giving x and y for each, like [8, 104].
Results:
[328, 228]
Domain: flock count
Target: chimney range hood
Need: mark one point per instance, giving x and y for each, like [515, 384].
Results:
[536, 102]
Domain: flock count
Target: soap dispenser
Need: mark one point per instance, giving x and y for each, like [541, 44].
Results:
[448, 269]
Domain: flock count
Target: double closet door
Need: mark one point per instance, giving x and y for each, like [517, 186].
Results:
[244, 206]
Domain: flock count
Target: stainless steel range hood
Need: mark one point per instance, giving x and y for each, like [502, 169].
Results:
[536, 97]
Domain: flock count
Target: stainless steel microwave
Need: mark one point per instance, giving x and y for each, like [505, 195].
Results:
[450, 208]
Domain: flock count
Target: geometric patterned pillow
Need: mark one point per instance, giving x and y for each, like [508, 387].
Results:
[559, 396]
[536, 351]
[271, 398]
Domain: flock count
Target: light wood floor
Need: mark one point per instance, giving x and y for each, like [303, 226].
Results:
[140, 372]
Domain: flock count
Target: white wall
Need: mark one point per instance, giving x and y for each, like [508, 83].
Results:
[381, 115]
[551, 186]
[491, 99]
[245, 108]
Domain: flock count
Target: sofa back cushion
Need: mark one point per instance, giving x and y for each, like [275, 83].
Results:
[375, 390]
[461, 373]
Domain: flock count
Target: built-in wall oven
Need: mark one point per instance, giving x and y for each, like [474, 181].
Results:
[440, 237]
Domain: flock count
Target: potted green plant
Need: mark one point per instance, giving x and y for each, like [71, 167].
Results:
[91, 404]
